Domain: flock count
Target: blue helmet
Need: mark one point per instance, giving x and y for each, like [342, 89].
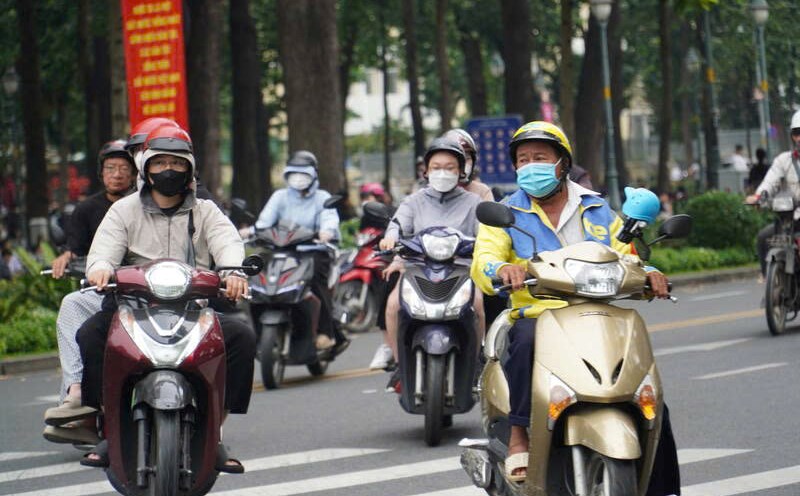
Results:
[641, 204]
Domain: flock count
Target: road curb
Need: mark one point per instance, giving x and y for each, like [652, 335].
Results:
[49, 361]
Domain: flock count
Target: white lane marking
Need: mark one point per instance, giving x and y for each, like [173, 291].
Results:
[89, 489]
[459, 491]
[369, 391]
[16, 455]
[716, 296]
[744, 370]
[254, 465]
[745, 483]
[351, 479]
[710, 346]
[686, 456]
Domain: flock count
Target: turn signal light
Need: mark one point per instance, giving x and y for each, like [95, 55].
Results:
[645, 398]
[561, 396]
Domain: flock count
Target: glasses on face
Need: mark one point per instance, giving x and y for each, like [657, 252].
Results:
[176, 164]
[117, 169]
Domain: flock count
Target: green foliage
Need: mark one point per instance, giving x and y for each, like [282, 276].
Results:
[35, 331]
[722, 220]
[349, 229]
[688, 259]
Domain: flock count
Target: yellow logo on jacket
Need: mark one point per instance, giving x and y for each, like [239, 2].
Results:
[598, 232]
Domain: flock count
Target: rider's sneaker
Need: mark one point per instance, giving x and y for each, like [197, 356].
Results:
[68, 411]
[383, 357]
[394, 385]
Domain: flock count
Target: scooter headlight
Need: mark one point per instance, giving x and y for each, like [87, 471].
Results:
[363, 238]
[595, 279]
[168, 280]
[462, 296]
[561, 396]
[440, 248]
[646, 398]
[415, 303]
[171, 355]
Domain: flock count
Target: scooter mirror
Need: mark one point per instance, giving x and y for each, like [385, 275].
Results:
[677, 226]
[239, 204]
[378, 211]
[239, 211]
[333, 201]
[494, 214]
[252, 265]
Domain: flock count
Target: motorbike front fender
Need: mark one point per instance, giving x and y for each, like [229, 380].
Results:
[606, 430]
[435, 339]
[164, 390]
[363, 275]
[274, 317]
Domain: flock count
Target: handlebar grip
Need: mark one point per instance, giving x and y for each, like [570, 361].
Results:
[94, 288]
[527, 282]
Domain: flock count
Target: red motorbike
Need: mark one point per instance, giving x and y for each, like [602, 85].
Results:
[361, 287]
[164, 379]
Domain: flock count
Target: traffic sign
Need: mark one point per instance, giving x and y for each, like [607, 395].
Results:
[491, 135]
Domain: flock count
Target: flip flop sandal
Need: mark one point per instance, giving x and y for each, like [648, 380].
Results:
[223, 459]
[516, 462]
[101, 450]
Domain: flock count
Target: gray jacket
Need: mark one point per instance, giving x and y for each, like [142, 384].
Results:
[428, 208]
[135, 231]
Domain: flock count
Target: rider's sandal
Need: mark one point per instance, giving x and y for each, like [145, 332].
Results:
[223, 462]
[101, 451]
[516, 462]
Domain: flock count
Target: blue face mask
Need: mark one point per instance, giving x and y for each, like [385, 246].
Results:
[538, 179]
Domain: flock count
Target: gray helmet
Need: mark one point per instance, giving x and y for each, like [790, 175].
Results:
[302, 158]
[446, 145]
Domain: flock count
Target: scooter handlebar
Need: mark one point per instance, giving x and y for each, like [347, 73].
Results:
[527, 282]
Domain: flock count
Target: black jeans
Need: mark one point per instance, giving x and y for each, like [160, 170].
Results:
[665, 478]
[240, 350]
[319, 286]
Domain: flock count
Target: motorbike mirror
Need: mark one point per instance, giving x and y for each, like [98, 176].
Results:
[252, 265]
[333, 201]
[239, 204]
[377, 210]
[494, 214]
[239, 207]
[677, 226]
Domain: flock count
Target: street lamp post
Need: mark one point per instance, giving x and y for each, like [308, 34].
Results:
[713, 139]
[602, 11]
[693, 64]
[760, 11]
[10, 87]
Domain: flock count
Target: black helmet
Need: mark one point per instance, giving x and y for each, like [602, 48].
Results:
[302, 158]
[446, 145]
[111, 149]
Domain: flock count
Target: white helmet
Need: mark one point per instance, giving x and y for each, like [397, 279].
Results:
[795, 121]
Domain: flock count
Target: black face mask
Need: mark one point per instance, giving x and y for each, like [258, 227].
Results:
[170, 182]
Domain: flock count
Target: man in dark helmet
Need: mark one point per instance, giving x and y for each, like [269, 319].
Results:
[442, 204]
[117, 172]
[302, 203]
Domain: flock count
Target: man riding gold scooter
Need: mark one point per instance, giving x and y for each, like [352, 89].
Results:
[547, 214]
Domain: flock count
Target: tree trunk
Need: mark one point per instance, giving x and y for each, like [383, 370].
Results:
[665, 121]
[687, 114]
[443, 66]
[706, 112]
[203, 69]
[264, 153]
[587, 141]
[86, 71]
[473, 66]
[517, 54]
[119, 105]
[309, 52]
[247, 181]
[387, 121]
[410, 28]
[617, 90]
[32, 112]
[348, 50]
[566, 72]
[101, 86]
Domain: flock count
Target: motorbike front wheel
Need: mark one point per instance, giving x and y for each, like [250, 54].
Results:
[434, 399]
[775, 297]
[165, 453]
[358, 319]
[610, 477]
[269, 349]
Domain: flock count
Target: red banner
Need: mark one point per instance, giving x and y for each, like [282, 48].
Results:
[154, 60]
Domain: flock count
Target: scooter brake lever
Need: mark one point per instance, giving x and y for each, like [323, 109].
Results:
[527, 282]
[94, 288]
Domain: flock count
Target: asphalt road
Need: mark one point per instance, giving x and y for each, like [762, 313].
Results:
[731, 388]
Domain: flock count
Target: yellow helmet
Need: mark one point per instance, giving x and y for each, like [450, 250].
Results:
[540, 131]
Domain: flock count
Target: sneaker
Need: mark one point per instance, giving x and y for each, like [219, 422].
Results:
[324, 342]
[394, 385]
[383, 357]
[69, 411]
[80, 434]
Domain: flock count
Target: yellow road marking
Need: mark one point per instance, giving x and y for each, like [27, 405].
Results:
[344, 374]
[711, 319]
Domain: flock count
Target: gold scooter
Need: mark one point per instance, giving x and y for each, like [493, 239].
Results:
[596, 392]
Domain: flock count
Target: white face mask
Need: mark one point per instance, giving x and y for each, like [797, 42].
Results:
[442, 180]
[299, 181]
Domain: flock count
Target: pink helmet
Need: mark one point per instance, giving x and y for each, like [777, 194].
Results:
[372, 189]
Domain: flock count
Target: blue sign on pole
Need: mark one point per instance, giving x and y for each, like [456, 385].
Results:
[491, 135]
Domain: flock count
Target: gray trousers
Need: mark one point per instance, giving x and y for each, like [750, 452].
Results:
[75, 309]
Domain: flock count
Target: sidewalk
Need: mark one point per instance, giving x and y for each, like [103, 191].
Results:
[49, 361]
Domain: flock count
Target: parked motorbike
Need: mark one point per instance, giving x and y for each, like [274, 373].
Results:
[782, 298]
[436, 341]
[597, 396]
[164, 379]
[361, 287]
